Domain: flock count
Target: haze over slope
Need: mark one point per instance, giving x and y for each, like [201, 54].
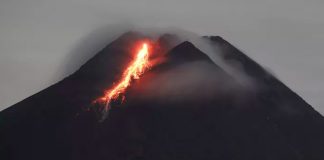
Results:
[39, 37]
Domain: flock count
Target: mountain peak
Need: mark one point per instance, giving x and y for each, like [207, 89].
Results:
[59, 123]
[186, 51]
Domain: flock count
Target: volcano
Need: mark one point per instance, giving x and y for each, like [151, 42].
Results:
[186, 107]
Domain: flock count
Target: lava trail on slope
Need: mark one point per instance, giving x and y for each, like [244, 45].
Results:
[135, 69]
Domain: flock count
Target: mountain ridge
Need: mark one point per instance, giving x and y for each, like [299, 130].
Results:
[272, 122]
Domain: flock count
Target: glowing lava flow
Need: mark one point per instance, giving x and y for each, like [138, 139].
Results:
[138, 66]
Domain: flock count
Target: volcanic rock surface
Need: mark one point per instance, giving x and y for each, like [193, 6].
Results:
[185, 108]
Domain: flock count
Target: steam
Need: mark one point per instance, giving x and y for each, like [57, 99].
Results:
[212, 50]
[90, 45]
[191, 81]
[194, 81]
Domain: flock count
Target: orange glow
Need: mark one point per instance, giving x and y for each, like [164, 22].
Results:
[137, 67]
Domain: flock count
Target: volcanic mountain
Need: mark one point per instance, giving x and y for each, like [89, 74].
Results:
[186, 107]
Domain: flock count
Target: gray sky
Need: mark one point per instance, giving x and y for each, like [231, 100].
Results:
[38, 38]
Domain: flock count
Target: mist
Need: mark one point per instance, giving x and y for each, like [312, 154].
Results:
[192, 82]
[43, 42]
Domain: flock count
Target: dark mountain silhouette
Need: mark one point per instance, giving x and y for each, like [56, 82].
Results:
[223, 120]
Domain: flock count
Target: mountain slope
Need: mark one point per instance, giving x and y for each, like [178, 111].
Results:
[186, 107]
[293, 116]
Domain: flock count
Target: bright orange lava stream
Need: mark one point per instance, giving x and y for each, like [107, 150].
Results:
[138, 66]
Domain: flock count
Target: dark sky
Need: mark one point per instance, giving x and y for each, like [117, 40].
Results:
[38, 37]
